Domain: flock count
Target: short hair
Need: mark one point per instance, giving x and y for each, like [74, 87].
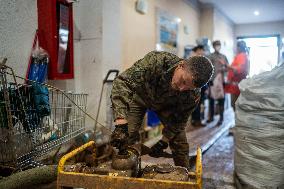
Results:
[201, 68]
[198, 47]
[215, 43]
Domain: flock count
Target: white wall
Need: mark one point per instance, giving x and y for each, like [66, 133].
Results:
[139, 31]
[18, 23]
[265, 28]
[224, 31]
[99, 49]
[207, 22]
[112, 50]
[216, 26]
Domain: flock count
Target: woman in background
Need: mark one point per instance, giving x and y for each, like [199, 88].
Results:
[237, 71]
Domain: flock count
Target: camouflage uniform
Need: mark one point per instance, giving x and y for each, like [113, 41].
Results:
[147, 85]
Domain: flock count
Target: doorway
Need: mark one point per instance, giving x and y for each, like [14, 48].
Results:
[263, 52]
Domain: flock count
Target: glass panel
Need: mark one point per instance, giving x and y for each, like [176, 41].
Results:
[62, 66]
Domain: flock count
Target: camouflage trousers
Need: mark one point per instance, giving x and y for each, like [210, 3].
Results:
[178, 145]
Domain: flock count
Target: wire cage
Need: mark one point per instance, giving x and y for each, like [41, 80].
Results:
[35, 118]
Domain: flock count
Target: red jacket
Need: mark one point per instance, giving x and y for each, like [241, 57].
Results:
[241, 67]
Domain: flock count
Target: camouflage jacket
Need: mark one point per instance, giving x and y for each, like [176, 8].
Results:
[219, 61]
[150, 79]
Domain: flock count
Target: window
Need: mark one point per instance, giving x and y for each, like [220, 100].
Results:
[263, 53]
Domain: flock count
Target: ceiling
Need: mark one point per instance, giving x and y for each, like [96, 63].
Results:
[242, 11]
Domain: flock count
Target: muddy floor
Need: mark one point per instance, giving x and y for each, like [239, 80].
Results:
[218, 164]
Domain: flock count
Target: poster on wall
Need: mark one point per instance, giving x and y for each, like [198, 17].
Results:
[167, 32]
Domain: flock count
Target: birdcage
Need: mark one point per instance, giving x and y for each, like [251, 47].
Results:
[35, 118]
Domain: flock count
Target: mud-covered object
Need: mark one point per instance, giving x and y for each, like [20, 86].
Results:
[121, 165]
[107, 169]
[78, 168]
[102, 169]
[124, 162]
[131, 161]
[165, 172]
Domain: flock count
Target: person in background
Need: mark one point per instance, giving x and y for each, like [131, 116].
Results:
[197, 51]
[196, 114]
[216, 91]
[237, 71]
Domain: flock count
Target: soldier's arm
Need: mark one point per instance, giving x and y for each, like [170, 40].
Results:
[121, 96]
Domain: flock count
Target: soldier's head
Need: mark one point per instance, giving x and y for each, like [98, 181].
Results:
[192, 73]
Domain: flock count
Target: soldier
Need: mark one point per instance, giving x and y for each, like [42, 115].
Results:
[167, 85]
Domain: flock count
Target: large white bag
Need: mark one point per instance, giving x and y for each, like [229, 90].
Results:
[259, 131]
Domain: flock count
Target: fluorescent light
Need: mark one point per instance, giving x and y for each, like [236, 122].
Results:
[256, 13]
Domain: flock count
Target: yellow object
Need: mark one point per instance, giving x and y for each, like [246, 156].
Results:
[95, 181]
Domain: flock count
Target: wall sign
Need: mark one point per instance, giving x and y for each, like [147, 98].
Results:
[167, 32]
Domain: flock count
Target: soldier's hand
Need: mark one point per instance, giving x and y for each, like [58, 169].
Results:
[158, 148]
[120, 135]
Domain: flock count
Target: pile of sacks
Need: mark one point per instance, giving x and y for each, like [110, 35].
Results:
[259, 131]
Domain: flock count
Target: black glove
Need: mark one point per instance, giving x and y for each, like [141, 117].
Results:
[119, 138]
[157, 149]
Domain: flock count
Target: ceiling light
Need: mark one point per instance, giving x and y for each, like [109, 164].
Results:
[256, 13]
